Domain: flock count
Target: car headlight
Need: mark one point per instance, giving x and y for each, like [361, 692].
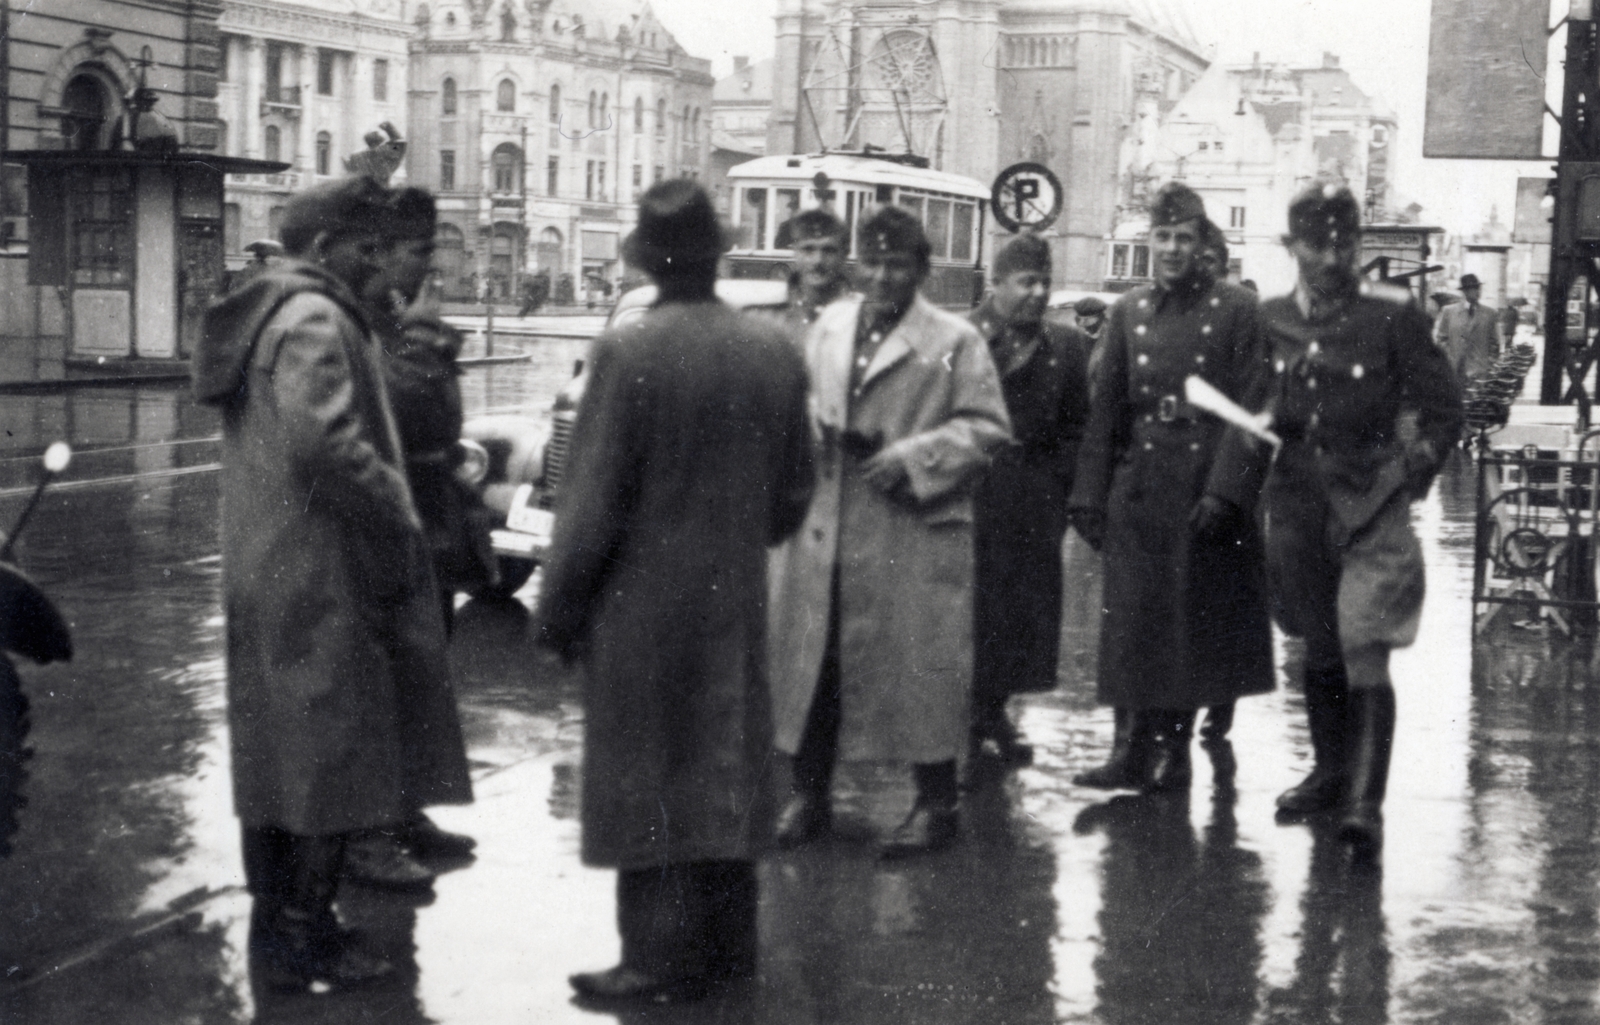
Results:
[474, 465]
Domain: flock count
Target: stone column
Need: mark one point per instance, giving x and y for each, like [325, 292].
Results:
[251, 95]
[307, 150]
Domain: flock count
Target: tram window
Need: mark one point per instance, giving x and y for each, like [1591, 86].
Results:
[912, 203]
[1141, 261]
[961, 232]
[753, 219]
[788, 208]
[850, 219]
[938, 227]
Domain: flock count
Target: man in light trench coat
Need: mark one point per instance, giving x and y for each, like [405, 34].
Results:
[871, 607]
[341, 713]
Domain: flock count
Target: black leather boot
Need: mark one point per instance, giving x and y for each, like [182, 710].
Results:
[1219, 721]
[934, 822]
[1372, 736]
[1171, 768]
[1327, 698]
[1130, 755]
[298, 941]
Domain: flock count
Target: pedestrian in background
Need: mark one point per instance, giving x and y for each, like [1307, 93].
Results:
[1184, 621]
[1367, 409]
[340, 711]
[872, 600]
[1021, 504]
[420, 373]
[1469, 333]
[691, 454]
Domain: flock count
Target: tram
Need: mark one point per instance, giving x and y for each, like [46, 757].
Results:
[768, 191]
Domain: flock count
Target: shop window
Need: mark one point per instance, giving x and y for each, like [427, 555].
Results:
[100, 208]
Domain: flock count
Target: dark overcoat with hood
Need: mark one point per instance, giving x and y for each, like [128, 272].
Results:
[1185, 621]
[1021, 508]
[691, 454]
[339, 699]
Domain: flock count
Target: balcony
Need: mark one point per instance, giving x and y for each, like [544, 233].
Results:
[283, 100]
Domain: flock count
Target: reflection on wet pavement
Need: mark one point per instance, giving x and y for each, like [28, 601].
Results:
[124, 901]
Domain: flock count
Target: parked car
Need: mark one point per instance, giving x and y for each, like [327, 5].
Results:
[517, 459]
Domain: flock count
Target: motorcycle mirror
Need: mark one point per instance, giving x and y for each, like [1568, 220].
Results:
[57, 457]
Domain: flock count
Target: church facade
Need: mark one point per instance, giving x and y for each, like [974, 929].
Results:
[977, 85]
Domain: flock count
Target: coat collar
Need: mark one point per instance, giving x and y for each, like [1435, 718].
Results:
[904, 338]
[1008, 357]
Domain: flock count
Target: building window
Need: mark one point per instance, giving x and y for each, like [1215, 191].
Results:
[600, 181]
[223, 48]
[231, 240]
[683, 129]
[605, 111]
[1204, 146]
[638, 113]
[1119, 261]
[505, 96]
[324, 153]
[1141, 261]
[660, 173]
[222, 137]
[661, 117]
[447, 170]
[380, 81]
[507, 164]
[555, 104]
[588, 181]
[324, 72]
[694, 126]
[100, 205]
[447, 97]
[638, 179]
[593, 97]
[274, 71]
[273, 150]
[1235, 216]
[1217, 146]
[552, 176]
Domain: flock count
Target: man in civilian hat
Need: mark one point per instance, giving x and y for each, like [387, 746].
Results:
[1185, 621]
[691, 454]
[871, 601]
[339, 702]
[1021, 506]
[1470, 333]
[1367, 409]
[1090, 313]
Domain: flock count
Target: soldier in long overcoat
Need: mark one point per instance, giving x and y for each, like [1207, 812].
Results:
[691, 454]
[1185, 621]
[1021, 505]
[1367, 408]
[340, 708]
[871, 606]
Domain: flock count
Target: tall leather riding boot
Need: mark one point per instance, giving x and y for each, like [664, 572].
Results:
[1171, 768]
[1327, 701]
[1130, 755]
[299, 939]
[1372, 736]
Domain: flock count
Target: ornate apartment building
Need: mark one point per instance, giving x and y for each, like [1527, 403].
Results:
[976, 85]
[538, 123]
[301, 81]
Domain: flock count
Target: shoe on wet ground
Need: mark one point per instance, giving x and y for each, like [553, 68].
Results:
[805, 817]
[380, 861]
[426, 841]
[926, 830]
[624, 985]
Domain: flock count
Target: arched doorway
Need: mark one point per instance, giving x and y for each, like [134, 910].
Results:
[503, 259]
[547, 252]
[450, 261]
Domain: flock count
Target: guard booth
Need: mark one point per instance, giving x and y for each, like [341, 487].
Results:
[1398, 253]
[132, 240]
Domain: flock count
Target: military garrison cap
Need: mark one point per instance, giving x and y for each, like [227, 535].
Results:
[1174, 204]
[893, 229]
[1323, 214]
[1025, 252]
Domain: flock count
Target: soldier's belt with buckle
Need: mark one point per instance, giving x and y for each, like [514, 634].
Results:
[1172, 409]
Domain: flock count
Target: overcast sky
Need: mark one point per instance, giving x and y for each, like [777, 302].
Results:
[1383, 43]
